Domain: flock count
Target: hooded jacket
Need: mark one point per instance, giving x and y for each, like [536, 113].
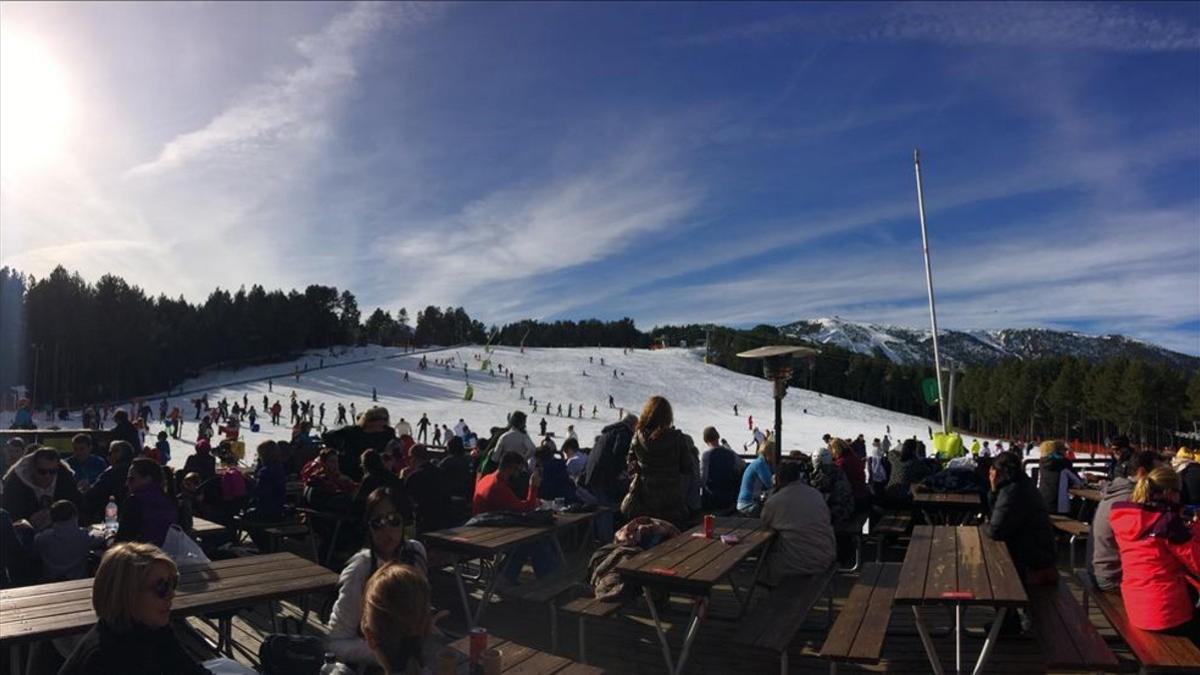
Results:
[146, 515]
[1049, 469]
[662, 465]
[22, 499]
[1160, 557]
[1019, 519]
[607, 461]
[1104, 560]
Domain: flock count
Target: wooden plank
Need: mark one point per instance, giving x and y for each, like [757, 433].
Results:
[972, 570]
[776, 620]
[1153, 650]
[1068, 638]
[732, 556]
[942, 574]
[1007, 588]
[869, 642]
[911, 589]
[840, 640]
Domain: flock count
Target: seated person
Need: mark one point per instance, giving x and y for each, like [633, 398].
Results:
[908, 468]
[556, 483]
[756, 481]
[147, 512]
[377, 473]
[720, 473]
[86, 464]
[268, 498]
[1104, 561]
[1160, 556]
[35, 482]
[459, 481]
[111, 484]
[324, 485]
[63, 547]
[797, 513]
[576, 459]
[385, 544]
[190, 500]
[202, 462]
[426, 489]
[397, 624]
[492, 493]
[132, 596]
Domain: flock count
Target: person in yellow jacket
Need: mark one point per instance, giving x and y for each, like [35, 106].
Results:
[975, 447]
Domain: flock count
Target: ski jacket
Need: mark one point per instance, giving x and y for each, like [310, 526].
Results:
[1049, 469]
[22, 498]
[660, 468]
[1104, 560]
[607, 461]
[1019, 519]
[1160, 558]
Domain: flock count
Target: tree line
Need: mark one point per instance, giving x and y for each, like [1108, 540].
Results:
[73, 342]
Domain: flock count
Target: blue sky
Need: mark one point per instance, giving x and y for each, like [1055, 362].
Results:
[734, 163]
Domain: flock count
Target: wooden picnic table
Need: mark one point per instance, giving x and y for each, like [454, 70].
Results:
[517, 658]
[45, 611]
[959, 567]
[496, 543]
[691, 564]
[948, 506]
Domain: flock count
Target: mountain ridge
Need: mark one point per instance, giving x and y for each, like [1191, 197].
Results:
[978, 347]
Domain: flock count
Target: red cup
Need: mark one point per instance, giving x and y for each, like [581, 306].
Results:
[710, 523]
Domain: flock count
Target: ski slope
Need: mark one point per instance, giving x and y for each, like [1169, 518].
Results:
[700, 394]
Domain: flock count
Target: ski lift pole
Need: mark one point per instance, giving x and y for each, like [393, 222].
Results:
[937, 360]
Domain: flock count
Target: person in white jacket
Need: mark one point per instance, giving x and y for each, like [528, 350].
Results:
[515, 439]
[403, 428]
[385, 543]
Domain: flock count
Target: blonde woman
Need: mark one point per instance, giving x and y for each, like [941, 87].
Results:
[132, 596]
[396, 619]
[1160, 556]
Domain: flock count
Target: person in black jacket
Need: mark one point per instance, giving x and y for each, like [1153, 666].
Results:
[123, 430]
[373, 431]
[111, 483]
[608, 460]
[459, 480]
[426, 488]
[35, 482]
[132, 596]
[1019, 517]
[377, 473]
[1050, 468]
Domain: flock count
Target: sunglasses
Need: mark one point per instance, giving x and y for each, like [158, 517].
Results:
[164, 588]
[386, 520]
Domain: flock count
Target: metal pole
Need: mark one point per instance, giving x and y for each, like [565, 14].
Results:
[780, 387]
[950, 396]
[937, 359]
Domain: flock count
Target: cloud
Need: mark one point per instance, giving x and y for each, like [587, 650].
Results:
[1108, 27]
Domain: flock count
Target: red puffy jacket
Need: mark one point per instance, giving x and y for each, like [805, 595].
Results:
[1160, 556]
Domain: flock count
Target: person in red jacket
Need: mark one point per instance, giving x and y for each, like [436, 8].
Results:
[1160, 556]
[492, 493]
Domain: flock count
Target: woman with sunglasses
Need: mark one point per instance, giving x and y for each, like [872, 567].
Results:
[385, 543]
[132, 596]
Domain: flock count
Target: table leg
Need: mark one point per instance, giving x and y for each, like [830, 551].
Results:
[958, 637]
[744, 605]
[698, 611]
[927, 642]
[490, 589]
[991, 641]
[662, 637]
[462, 592]
[14, 660]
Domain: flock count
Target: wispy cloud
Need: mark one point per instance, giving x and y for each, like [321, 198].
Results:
[1099, 26]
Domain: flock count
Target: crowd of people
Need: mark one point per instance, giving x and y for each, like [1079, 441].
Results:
[385, 480]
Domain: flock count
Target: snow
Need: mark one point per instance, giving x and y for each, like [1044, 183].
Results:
[700, 394]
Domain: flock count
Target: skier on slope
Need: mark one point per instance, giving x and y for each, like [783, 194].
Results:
[735, 412]
[750, 422]
[542, 424]
[610, 401]
[423, 428]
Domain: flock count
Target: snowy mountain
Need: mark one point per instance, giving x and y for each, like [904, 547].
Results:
[909, 346]
[700, 394]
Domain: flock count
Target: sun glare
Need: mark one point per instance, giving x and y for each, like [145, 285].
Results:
[35, 104]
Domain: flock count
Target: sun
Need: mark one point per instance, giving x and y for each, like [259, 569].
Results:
[36, 105]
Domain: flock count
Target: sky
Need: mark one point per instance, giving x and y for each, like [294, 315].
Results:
[675, 163]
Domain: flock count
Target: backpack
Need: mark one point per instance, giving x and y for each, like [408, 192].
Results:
[283, 654]
[233, 486]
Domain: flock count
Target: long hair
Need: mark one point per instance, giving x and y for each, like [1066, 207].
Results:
[396, 612]
[1048, 448]
[1153, 485]
[378, 496]
[122, 575]
[656, 418]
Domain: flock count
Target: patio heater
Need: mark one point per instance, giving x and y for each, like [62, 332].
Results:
[777, 366]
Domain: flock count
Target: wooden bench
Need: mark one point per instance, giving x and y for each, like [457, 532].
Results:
[857, 634]
[545, 591]
[893, 523]
[1156, 652]
[1068, 638]
[1076, 530]
[778, 618]
[854, 528]
[588, 607]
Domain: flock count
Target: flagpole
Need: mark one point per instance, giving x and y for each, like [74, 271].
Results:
[937, 359]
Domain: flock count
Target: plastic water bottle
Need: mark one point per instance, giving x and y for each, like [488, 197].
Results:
[110, 515]
[330, 665]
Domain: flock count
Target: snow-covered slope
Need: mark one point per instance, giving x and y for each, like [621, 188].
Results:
[701, 394]
[909, 346]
